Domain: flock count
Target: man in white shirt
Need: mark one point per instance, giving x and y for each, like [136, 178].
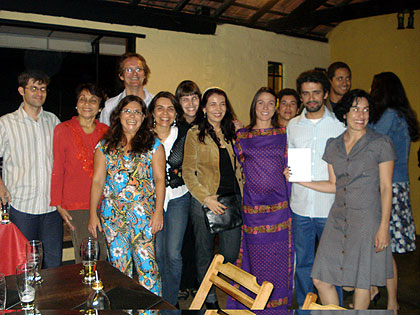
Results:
[26, 147]
[310, 209]
[134, 73]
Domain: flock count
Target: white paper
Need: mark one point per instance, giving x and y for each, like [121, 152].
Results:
[299, 162]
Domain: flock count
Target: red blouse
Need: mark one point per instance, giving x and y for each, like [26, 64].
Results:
[73, 164]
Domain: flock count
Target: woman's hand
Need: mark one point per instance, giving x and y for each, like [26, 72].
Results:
[287, 172]
[382, 238]
[156, 222]
[215, 206]
[238, 124]
[66, 217]
[93, 224]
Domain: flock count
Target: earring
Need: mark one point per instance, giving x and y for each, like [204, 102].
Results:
[175, 122]
[154, 123]
[76, 107]
[205, 115]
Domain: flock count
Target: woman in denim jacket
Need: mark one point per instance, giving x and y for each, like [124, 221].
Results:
[394, 117]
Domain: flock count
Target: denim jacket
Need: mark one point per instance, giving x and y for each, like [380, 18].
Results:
[394, 126]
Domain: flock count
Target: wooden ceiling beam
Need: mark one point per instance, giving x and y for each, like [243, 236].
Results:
[223, 8]
[116, 13]
[342, 13]
[181, 5]
[264, 9]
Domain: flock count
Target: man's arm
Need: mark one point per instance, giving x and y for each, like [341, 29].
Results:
[4, 193]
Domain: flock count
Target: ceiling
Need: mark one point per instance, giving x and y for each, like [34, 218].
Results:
[311, 19]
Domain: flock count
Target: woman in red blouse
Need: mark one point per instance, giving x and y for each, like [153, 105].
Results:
[74, 145]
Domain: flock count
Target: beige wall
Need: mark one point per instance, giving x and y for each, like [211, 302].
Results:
[235, 58]
[374, 45]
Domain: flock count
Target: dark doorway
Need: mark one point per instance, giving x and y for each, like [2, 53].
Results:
[66, 70]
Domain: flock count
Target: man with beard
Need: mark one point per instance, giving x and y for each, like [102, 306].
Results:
[311, 129]
[339, 75]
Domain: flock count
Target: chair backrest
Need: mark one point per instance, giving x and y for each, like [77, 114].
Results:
[243, 278]
[310, 304]
[229, 312]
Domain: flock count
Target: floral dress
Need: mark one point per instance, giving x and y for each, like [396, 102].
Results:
[126, 211]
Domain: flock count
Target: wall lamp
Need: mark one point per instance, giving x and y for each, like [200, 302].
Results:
[410, 22]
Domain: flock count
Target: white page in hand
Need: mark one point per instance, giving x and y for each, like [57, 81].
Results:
[299, 161]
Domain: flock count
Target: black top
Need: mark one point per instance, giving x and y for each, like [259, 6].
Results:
[227, 174]
[176, 157]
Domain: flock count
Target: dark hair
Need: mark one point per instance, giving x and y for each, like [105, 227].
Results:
[387, 91]
[334, 67]
[291, 92]
[227, 126]
[36, 75]
[314, 76]
[146, 68]
[252, 110]
[343, 107]
[142, 141]
[91, 88]
[187, 88]
[169, 96]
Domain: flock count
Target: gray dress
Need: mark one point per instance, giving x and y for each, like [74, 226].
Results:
[346, 255]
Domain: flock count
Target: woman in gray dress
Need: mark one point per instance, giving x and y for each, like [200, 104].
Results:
[353, 250]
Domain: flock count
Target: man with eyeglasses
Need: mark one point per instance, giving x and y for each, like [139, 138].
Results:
[134, 74]
[26, 147]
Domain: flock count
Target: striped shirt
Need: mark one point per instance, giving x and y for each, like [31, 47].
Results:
[304, 133]
[26, 148]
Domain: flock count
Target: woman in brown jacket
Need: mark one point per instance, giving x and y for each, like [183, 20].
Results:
[209, 171]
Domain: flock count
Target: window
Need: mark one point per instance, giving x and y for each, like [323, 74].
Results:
[275, 76]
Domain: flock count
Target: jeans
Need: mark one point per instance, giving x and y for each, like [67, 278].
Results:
[229, 244]
[305, 231]
[169, 245]
[48, 228]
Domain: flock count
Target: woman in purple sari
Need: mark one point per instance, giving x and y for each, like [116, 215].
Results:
[267, 249]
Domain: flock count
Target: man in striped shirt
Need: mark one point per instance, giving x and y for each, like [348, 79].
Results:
[26, 147]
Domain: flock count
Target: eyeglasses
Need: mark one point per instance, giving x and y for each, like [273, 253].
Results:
[357, 109]
[91, 101]
[129, 111]
[131, 70]
[35, 89]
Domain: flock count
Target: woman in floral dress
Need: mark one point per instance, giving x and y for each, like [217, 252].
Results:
[129, 171]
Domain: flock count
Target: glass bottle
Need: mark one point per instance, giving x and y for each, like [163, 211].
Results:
[98, 300]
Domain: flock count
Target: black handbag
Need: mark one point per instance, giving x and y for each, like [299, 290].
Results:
[230, 219]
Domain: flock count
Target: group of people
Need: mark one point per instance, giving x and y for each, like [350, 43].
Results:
[136, 178]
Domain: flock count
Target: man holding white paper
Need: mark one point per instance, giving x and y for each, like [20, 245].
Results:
[310, 208]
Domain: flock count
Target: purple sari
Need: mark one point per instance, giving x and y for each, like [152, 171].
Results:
[267, 250]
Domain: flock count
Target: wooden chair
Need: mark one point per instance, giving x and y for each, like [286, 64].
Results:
[310, 304]
[239, 276]
[229, 312]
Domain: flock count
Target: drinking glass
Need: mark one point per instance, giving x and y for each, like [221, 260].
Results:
[25, 277]
[89, 251]
[3, 290]
[34, 255]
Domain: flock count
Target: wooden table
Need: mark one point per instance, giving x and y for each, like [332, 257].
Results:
[63, 288]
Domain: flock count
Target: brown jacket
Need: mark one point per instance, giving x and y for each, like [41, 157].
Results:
[200, 169]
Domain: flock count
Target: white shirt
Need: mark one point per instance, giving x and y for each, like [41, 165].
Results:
[305, 133]
[114, 101]
[26, 146]
[172, 193]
